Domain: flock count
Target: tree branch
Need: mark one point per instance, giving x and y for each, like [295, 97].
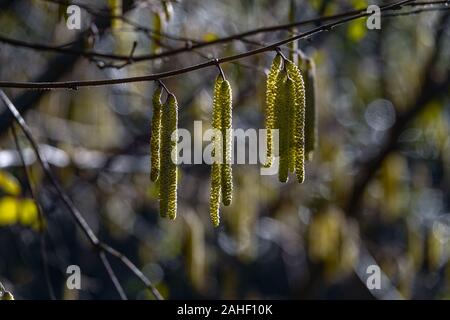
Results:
[91, 83]
[41, 217]
[99, 245]
[57, 67]
[197, 44]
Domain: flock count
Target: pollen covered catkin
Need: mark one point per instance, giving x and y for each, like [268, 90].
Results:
[169, 152]
[216, 168]
[226, 127]
[282, 118]
[290, 123]
[155, 139]
[311, 119]
[298, 114]
[271, 87]
[214, 201]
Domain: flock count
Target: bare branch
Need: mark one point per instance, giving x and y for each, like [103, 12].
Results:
[91, 83]
[112, 275]
[41, 217]
[192, 44]
[102, 247]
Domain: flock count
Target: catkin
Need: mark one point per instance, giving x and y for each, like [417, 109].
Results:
[282, 117]
[169, 152]
[271, 87]
[311, 119]
[155, 139]
[226, 110]
[291, 123]
[298, 133]
[214, 201]
[216, 175]
[285, 111]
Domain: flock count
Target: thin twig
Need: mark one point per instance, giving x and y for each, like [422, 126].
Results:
[112, 275]
[133, 268]
[219, 68]
[192, 44]
[102, 247]
[106, 14]
[41, 217]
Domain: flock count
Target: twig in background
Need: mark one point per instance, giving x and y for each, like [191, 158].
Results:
[87, 230]
[41, 217]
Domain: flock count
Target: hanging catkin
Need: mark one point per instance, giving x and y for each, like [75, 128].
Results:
[226, 110]
[311, 119]
[291, 100]
[214, 203]
[169, 152]
[216, 176]
[282, 118]
[155, 139]
[285, 111]
[298, 132]
[271, 87]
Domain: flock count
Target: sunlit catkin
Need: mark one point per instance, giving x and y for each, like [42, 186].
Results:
[169, 152]
[271, 86]
[216, 176]
[311, 119]
[291, 100]
[155, 139]
[282, 119]
[298, 115]
[214, 201]
[226, 110]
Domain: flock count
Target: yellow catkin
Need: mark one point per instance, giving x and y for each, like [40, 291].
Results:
[226, 126]
[155, 139]
[311, 119]
[169, 152]
[282, 118]
[270, 101]
[291, 124]
[214, 201]
[116, 11]
[298, 133]
[216, 175]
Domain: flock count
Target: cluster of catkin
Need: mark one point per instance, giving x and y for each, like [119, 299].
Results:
[163, 149]
[290, 109]
[285, 112]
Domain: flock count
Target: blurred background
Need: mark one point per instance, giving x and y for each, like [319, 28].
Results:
[376, 189]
